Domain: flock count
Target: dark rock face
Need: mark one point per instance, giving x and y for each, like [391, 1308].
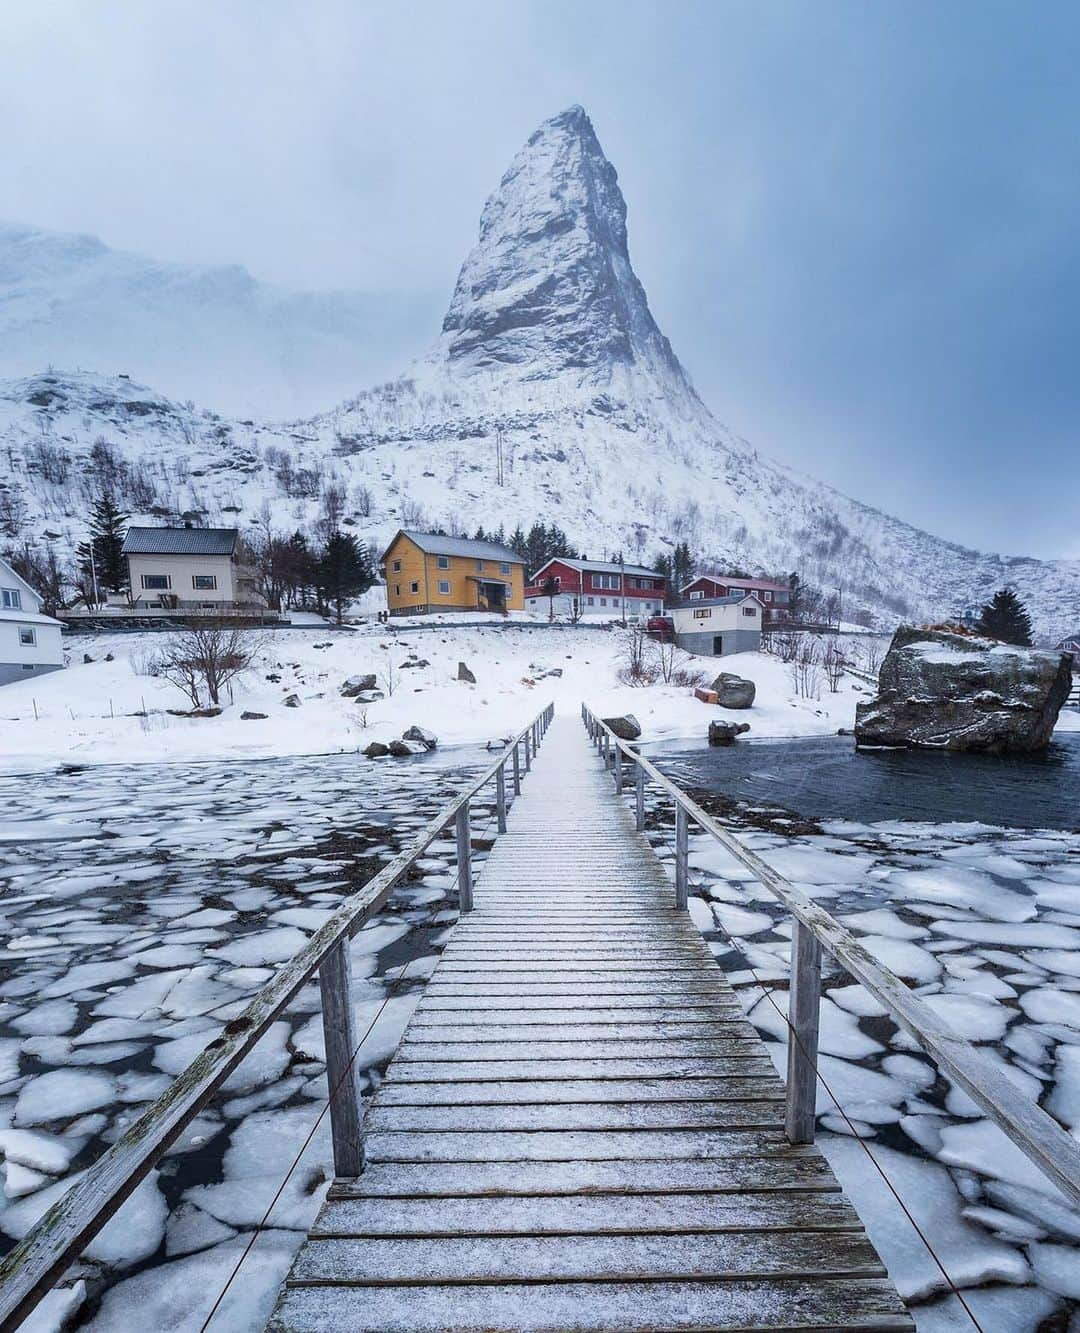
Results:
[426, 738]
[292, 701]
[376, 750]
[627, 728]
[357, 685]
[252, 717]
[734, 691]
[724, 733]
[941, 691]
[463, 673]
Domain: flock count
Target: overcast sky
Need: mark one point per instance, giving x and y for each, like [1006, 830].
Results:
[856, 222]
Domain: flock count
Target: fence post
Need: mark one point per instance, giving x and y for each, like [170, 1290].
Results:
[804, 1007]
[335, 988]
[464, 857]
[639, 797]
[517, 770]
[616, 755]
[528, 755]
[500, 796]
[682, 886]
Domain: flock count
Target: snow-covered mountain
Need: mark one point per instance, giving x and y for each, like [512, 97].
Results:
[550, 393]
[211, 334]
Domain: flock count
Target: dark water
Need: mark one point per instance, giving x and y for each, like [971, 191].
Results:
[827, 778]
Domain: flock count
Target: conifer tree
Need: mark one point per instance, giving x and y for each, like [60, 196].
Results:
[344, 571]
[682, 565]
[101, 558]
[1005, 617]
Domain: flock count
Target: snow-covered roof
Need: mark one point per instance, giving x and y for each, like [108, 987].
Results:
[729, 582]
[599, 567]
[29, 618]
[180, 541]
[432, 543]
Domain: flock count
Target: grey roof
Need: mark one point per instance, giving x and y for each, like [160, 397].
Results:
[180, 541]
[601, 567]
[433, 544]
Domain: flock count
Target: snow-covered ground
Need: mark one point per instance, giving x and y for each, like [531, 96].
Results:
[109, 712]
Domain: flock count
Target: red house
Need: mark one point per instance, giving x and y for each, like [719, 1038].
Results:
[775, 597]
[595, 588]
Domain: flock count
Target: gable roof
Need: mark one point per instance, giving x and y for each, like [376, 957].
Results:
[180, 541]
[431, 543]
[598, 567]
[771, 584]
[8, 572]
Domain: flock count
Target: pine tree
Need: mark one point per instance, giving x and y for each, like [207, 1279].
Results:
[682, 566]
[517, 542]
[344, 571]
[101, 558]
[1005, 617]
[663, 565]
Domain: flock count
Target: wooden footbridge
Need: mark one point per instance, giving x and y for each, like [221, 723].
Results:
[580, 1130]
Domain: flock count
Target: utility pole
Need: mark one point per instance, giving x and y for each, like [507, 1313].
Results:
[499, 456]
[93, 574]
[622, 585]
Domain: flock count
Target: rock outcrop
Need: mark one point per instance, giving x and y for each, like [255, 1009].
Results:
[942, 691]
[463, 673]
[734, 691]
[356, 685]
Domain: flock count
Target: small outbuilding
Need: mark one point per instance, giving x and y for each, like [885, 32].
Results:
[717, 626]
[30, 643]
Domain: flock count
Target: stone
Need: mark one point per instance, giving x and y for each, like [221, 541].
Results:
[426, 738]
[724, 733]
[627, 727]
[87, 659]
[252, 717]
[734, 691]
[357, 685]
[463, 673]
[403, 748]
[414, 662]
[943, 691]
[109, 657]
[274, 678]
[376, 750]
[369, 696]
[292, 701]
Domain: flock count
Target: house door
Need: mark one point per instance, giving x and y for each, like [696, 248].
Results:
[718, 645]
[496, 596]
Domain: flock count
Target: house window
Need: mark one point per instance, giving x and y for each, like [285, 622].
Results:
[749, 610]
[603, 601]
[204, 582]
[479, 566]
[414, 587]
[605, 581]
[27, 636]
[591, 600]
[767, 596]
[508, 590]
[11, 599]
[695, 595]
[703, 613]
[443, 561]
[396, 566]
[156, 582]
[504, 568]
[444, 587]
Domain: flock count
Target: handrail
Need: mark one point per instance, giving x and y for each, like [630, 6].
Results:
[1036, 1133]
[29, 1270]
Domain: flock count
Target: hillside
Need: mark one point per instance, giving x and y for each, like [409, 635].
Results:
[548, 357]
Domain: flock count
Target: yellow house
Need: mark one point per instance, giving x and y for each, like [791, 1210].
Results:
[426, 572]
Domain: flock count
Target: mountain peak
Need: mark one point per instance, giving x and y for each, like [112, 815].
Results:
[549, 288]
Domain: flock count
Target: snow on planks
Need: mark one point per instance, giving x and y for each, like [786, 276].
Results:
[580, 1129]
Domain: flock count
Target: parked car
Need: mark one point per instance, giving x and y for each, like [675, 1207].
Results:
[661, 628]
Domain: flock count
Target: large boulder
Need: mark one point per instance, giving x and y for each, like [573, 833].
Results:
[463, 673]
[357, 685]
[376, 750]
[627, 727]
[403, 748]
[426, 738]
[724, 733]
[943, 691]
[734, 691]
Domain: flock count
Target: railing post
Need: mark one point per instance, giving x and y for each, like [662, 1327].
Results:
[517, 770]
[528, 756]
[682, 842]
[639, 797]
[335, 988]
[500, 797]
[607, 750]
[464, 857]
[804, 1007]
[616, 755]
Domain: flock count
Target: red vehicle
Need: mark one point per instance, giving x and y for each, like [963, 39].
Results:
[661, 628]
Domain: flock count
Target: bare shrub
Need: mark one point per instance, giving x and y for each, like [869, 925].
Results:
[639, 664]
[364, 501]
[805, 673]
[832, 663]
[205, 658]
[686, 678]
[785, 646]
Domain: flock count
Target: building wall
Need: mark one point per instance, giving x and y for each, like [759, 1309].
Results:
[424, 571]
[20, 661]
[180, 570]
[734, 641]
[601, 606]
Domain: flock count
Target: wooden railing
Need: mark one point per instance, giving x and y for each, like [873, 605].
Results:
[1034, 1132]
[39, 1260]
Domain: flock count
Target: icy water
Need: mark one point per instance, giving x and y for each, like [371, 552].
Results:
[139, 910]
[825, 777]
[983, 922]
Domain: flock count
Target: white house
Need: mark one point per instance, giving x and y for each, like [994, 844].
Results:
[29, 642]
[716, 626]
[187, 568]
